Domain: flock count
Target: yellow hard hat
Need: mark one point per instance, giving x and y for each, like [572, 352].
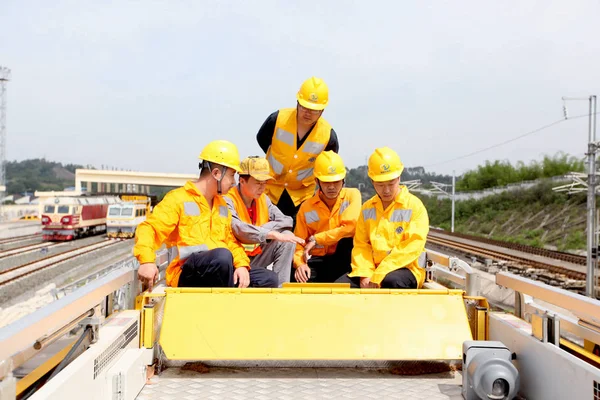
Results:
[329, 167]
[256, 167]
[221, 152]
[385, 165]
[313, 94]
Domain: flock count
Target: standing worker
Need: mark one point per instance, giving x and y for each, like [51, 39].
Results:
[195, 224]
[292, 138]
[327, 222]
[389, 244]
[263, 230]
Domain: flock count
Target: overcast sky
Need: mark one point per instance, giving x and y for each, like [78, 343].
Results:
[145, 85]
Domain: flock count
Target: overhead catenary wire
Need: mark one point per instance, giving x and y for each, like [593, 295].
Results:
[509, 140]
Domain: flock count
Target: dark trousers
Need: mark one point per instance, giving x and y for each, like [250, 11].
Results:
[214, 268]
[401, 278]
[286, 206]
[327, 269]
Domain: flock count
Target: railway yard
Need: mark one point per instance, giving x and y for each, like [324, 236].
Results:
[555, 268]
[33, 271]
[37, 273]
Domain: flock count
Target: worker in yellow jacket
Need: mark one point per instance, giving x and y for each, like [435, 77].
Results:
[263, 230]
[389, 244]
[195, 224]
[292, 138]
[327, 222]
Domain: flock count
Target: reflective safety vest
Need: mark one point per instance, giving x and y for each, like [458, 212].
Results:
[386, 240]
[293, 168]
[262, 216]
[186, 224]
[327, 226]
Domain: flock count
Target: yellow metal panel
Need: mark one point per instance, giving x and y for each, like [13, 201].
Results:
[481, 325]
[287, 324]
[316, 284]
[148, 327]
[537, 326]
[43, 369]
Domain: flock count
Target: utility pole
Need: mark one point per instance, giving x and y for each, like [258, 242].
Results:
[592, 256]
[441, 189]
[4, 78]
[453, 192]
[592, 243]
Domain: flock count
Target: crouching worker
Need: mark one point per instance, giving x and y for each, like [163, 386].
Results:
[327, 222]
[195, 224]
[263, 230]
[389, 244]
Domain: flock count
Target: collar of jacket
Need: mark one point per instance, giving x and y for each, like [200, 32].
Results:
[399, 199]
[317, 201]
[190, 186]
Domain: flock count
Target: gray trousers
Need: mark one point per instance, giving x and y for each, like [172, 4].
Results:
[280, 254]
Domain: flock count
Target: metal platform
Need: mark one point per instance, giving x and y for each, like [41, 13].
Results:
[300, 383]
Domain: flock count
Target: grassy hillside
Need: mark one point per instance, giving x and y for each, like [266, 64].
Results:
[38, 174]
[536, 217]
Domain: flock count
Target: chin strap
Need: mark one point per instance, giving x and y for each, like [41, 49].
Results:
[223, 169]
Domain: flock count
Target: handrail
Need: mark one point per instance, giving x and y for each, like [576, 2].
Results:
[24, 332]
[469, 281]
[584, 307]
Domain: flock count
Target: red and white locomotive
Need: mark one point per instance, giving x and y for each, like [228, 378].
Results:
[67, 218]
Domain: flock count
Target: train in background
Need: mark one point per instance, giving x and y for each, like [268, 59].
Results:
[123, 218]
[68, 218]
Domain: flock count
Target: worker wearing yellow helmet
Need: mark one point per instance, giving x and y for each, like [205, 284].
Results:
[194, 223]
[327, 222]
[292, 138]
[389, 244]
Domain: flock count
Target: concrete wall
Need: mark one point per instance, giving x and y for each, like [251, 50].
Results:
[15, 211]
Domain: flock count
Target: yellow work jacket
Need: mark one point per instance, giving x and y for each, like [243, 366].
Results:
[186, 224]
[328, 226]
[390, 239]
[262, 216]
[293, 168]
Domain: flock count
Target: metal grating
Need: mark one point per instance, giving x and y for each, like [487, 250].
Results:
[596, 390]
[104, 359]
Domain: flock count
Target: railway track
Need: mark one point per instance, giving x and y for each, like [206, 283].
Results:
[486, 252]
[26, 249]
[19, 238]
[557, 255]
[12, 274]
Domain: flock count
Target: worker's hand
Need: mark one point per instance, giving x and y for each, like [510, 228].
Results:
[302, 273]
[366, 283]
[242, 276]
[307, 249]
[148, 274]
[285, 237]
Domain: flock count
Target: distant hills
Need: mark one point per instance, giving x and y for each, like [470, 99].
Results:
[39, 174]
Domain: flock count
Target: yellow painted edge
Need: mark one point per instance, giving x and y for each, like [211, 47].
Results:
[288, 285]
[481, 325]
[43, 369]
[139, 302]
[142, 329]
[148, 327]
[580, 350]
[312, 290]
